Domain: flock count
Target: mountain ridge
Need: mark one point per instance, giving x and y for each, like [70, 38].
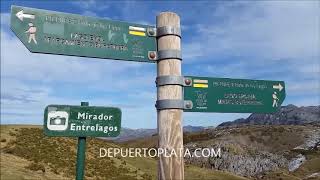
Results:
[127, 134]
[287, 115]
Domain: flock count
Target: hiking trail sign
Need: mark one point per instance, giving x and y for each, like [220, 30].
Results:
[82, 121]
[234, 95]
[50, 32]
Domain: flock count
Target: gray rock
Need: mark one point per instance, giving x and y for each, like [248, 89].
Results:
[240, 164]
[295, 163]
[312, 142]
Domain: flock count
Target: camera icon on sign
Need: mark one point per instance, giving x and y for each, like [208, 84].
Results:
[57, 120]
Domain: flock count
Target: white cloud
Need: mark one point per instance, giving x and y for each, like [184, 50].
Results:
[306, 101]
[306, 87]
[264, 29]
[89, 13]
[91, 4]
[310, 69]
[5, 18]
[192, 51]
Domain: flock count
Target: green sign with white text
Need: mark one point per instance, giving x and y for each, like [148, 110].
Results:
[82, 121]
[51, 32]
[234, 95]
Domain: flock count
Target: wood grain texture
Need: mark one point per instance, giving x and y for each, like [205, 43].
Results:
[170, 120]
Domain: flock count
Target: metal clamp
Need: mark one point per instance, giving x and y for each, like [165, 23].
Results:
[173, 80]
[168, 30]
[173, 104]
[169, 54]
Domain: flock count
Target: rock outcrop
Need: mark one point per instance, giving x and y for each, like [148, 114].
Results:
[296, 162]
[312, 141]
[248, 165]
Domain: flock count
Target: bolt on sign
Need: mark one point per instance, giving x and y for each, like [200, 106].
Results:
[234, 95]
[51, 32]
[82, 121]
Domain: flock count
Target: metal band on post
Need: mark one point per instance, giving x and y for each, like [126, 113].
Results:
[169, 80]
[169, 54]
[173, 104]
[168, 30]
[164, 54]
[173, 80]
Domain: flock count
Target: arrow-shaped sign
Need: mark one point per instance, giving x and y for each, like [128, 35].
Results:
[210, 94]
[279, 87]
[107, 40]
[20, 15]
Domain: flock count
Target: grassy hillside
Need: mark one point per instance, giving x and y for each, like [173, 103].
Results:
[27, 154]
[271, 138]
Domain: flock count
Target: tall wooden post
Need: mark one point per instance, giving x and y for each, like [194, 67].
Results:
[170, 120]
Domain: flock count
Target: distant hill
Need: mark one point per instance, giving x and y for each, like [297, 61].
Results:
[193, 128]
[287, 115]
[127, 134]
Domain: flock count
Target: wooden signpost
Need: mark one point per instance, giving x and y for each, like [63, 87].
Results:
[51, 32]
[169, 119]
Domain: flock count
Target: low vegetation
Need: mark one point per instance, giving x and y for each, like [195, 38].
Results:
[59, 155]
[28, 154]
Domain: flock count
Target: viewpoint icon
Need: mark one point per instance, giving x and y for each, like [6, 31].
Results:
[57, 120]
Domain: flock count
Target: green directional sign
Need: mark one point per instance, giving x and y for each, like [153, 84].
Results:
[51, 32]
[233, 95]
[82, 121]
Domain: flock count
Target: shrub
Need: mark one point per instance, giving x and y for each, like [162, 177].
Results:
[36, 167]
[55, 171]
[12, 133]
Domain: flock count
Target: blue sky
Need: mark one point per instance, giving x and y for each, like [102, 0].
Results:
[275, 40]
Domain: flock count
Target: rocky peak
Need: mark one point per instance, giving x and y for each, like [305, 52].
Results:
[287, 115]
